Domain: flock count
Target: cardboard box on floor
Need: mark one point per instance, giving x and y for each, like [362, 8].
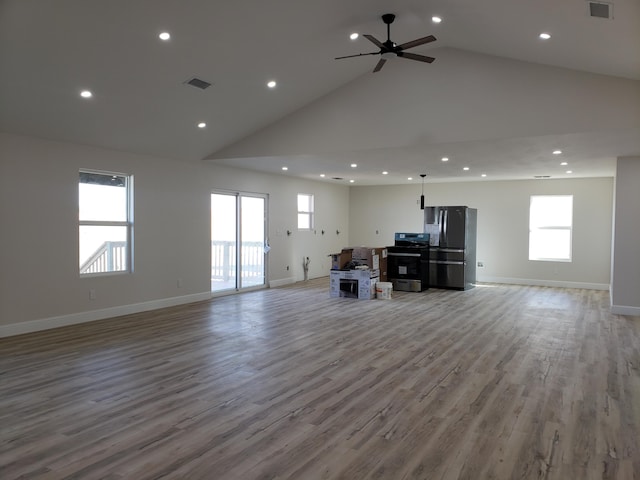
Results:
[359, 284]
[340, 260]
[375, 257]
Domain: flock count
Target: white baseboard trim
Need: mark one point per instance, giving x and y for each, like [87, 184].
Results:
[544, 283]
[625, 310]
[282, 282]
[92, 315]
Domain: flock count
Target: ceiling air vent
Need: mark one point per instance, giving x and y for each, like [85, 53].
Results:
[338, 178]
[198, 83]
[601, 9]
[541, 176]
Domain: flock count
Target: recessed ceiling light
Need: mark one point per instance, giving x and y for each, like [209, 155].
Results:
[351, 181]
[86, 94]
[202, 125]
[385, 173]
[569, 171]
[322, 175]
[445, 159]
[164, 36]
[483, 175]
[354, 36]
[285, 168]
[564, 164]
[410, 178]
[557, 152]
[465, 168]
[436, 19]
[354, 165]
[544, 36]
[271, 84]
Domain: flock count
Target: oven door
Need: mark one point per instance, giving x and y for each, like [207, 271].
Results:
[403, 265]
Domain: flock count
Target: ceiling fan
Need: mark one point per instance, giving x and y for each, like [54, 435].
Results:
[388, 49]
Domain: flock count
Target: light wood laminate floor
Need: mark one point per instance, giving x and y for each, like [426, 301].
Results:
[498, 382]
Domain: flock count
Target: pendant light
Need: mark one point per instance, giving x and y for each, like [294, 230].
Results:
[422, 196]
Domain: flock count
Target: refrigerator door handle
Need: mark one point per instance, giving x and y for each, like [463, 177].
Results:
[444, 226]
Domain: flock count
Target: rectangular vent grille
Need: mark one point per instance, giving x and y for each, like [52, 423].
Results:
[600, 10]
[198, 83]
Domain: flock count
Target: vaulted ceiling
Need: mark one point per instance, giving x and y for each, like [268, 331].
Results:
[497, 99]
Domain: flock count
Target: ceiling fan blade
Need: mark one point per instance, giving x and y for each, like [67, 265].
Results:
[375, 41]
[415, 43]
[413, 56]
[357, 55]
[379, 65]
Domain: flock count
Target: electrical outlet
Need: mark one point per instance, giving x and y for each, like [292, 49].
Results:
[92, 294]
[480, 264]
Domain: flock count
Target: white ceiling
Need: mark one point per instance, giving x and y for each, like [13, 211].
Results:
[497, 99]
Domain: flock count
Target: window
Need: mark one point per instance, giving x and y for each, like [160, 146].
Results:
[305, 211]
[105, 222]
[550, 223]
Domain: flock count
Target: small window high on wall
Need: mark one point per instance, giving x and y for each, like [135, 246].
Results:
[105, 222]
[550, 225]
[305, 211]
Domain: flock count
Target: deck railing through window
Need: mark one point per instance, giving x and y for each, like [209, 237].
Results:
[109, 257]
[223, 260]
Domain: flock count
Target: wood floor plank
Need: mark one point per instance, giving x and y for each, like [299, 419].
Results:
[498, 382]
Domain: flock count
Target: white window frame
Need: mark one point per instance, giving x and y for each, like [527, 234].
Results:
[548, 227]
[309, 212]
[128, 223]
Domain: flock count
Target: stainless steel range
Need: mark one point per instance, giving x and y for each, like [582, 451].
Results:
[408, 262]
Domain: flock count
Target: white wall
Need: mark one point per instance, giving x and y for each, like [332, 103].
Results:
[625, 273]
[503, 225]
[40, 285]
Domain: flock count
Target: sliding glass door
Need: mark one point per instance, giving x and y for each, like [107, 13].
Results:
[238, 225]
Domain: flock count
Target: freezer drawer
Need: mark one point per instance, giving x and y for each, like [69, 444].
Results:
[447, 274]
[447, 254]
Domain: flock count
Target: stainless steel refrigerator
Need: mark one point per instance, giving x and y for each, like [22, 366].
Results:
[452, 254]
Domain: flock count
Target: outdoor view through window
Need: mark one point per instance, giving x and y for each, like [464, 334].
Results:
[104, 222]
